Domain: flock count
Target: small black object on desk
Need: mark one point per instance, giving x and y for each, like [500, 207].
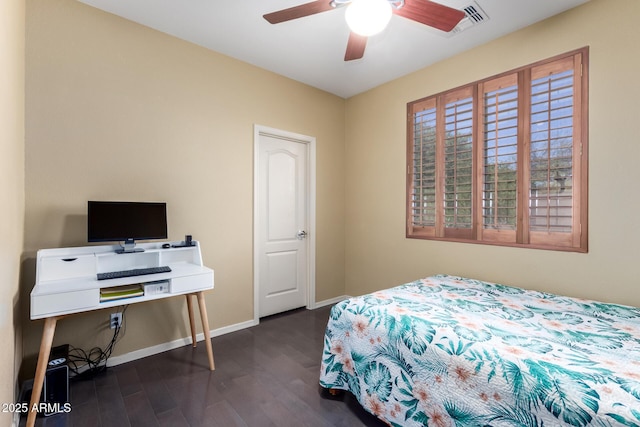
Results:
[188, 241]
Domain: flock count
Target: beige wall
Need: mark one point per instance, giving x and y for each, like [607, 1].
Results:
[116, 110]
[378, 254]
[12, 22]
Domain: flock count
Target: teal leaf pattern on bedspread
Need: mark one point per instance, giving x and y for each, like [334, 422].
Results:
[452, 352]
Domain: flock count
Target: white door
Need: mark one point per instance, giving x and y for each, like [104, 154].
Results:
[282, 223]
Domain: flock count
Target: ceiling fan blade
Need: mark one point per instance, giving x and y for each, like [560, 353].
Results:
[355, 47]
[300, 11]
[430, 13]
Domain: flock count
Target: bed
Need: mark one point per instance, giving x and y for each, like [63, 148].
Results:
[451, 351]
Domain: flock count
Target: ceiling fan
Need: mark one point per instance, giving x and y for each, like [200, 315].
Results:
[426, 12]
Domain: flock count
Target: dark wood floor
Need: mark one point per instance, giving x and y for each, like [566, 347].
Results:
[265, 376]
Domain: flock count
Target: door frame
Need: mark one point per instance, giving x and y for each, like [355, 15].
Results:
[310, 141]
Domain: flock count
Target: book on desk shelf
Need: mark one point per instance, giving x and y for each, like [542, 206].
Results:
[118, 292]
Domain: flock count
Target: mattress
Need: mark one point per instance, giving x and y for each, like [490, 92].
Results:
[452, 351]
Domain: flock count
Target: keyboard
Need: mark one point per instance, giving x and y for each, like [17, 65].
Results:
[134, 272]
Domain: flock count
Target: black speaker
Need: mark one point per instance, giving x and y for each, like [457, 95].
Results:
[56, 388]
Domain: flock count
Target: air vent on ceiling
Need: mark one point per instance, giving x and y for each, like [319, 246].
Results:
[474, 16]
[474, 13]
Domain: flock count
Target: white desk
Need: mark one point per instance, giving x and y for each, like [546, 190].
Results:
[66, 283]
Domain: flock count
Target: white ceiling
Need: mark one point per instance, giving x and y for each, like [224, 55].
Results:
[311, 49]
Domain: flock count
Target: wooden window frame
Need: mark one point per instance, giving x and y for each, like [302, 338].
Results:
[572, 234]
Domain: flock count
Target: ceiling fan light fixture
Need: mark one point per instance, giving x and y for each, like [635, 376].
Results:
[368, 17]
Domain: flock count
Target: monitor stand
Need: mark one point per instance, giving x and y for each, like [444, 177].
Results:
[129, 247]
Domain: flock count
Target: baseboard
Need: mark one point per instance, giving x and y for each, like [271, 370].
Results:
[161, 348]
[330, 301]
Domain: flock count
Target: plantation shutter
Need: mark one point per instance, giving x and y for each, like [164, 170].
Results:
[458, 163]
[499, 159]
[554, 153]
[422, 176]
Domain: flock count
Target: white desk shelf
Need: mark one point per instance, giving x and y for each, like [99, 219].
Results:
[67, 283]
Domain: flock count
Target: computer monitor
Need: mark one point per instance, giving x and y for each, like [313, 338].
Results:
[109, 221]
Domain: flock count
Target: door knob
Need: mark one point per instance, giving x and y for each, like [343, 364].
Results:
[301, 234]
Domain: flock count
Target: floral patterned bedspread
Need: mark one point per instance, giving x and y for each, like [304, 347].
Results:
[450, 351]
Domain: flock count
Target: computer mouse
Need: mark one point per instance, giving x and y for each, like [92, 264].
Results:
[166, 246]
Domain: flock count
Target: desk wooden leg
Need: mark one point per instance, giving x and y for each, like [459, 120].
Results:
[205, 328]
[192, 322]
[41, 369]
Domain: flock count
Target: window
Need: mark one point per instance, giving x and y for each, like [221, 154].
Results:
[503, 160]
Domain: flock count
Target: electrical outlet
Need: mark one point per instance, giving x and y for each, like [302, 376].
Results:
[116, 320]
